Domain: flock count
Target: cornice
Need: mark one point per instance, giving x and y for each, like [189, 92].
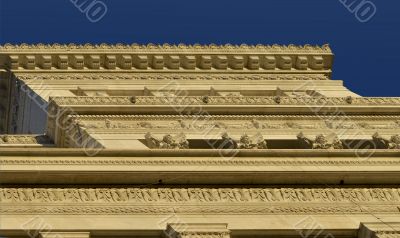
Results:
[263, 153]
[287, 125]
[379, 230]
[324, 49]
[228, 100]
[203, 162]
[189, 168]
[231, 117]
[170, 76]
[234, 122]
[243, 58]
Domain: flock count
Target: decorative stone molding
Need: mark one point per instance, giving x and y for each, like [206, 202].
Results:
[190, 179]
[160, 62]
[233, 123]
[256, 142]
[245, 142]
[199, 201]
[320, 142]
[325, 49]
[387, 234]
[77, 137]
[110, 62]
[45, 62]
[197, 195]
[265, 209]
[24, 139]
[257, 121]
[53, 234]
[204, 162]
[379, 230]
[215, 100]
[227, 142]
[167, 142]
[196, 230]
[181, 57]
[382, 143]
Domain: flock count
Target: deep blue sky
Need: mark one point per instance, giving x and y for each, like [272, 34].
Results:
[367, 55]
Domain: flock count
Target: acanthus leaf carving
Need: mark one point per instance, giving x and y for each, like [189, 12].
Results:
[320, 142]
[383, 143]
[256, 142]
[167, 142]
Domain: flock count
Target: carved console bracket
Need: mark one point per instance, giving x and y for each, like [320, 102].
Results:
[379, 230]
[46, 234]
[199, 230]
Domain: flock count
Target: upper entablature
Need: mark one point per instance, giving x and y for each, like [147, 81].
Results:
[234, 58]
[167, 48]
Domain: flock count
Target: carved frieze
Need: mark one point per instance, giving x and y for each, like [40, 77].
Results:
[198, 195]
[184, 122]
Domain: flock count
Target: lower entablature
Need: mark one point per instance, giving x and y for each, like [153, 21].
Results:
[245, 132]
[236, 122]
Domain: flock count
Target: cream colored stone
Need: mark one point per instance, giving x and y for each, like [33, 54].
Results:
[64, 234]
[192, 141]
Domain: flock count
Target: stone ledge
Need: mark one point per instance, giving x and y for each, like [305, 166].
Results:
[82, 152]
[165, 47]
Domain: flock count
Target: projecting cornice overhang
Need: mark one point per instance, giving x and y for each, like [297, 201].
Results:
[61, 166]
[325, 49]
[168, 58]
[66, 77]
[356, 155]
[237, 105]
